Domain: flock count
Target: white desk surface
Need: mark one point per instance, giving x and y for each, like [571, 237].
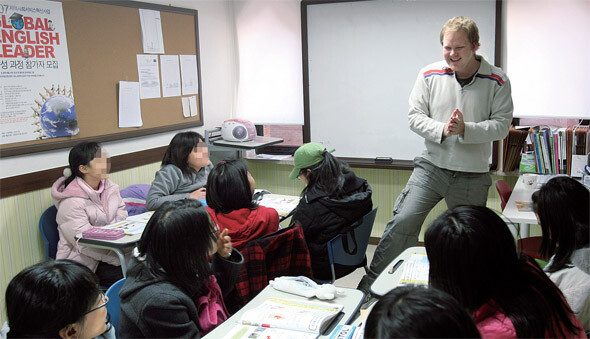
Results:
[521, 193]
[385, 282]
[351, 300]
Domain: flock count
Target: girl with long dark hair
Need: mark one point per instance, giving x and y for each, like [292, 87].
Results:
[169, 274]
[229, 202]
[333, 199]
[473, 257]
[562, 206]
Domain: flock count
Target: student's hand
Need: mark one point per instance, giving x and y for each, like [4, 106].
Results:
[455, 125]
[199, 194]
[224, 244]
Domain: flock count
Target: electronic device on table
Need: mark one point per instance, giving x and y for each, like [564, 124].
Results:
[238, 130]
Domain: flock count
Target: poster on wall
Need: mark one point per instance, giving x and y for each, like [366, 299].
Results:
[36, 96]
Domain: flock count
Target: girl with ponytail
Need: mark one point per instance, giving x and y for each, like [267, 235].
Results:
[333, 198]
[85, 197]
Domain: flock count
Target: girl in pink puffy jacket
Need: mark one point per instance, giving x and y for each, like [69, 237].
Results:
[86, 198]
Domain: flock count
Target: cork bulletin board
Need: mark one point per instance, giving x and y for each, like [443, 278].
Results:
[104, 38]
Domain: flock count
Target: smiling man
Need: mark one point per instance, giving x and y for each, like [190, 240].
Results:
[459, 106]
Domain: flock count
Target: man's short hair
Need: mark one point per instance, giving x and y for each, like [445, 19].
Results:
[461, 23]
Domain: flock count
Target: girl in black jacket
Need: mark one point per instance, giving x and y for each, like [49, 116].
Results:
[333, 198]
[169, 274]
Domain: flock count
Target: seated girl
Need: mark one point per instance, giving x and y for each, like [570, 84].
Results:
[229, 202]
[56, 299]
[87, 198]
[419, 312]
[473, 257]
[169, 279]
[562, 207]
[184, 171]
[333, 199]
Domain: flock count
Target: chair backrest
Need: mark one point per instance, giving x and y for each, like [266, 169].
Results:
[134, 198]
[49, 233]
[504, 191]
[114, 307]
[281, 253]
[352, 253]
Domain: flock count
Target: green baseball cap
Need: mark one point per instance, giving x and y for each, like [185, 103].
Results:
[306, 156]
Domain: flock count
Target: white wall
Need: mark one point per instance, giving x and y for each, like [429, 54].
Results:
[218, 73]
[547, 56]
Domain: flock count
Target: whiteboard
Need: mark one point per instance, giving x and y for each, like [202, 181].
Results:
[546, 82]
[363, 59]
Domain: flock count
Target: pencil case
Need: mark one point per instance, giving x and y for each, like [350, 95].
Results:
[103, 233]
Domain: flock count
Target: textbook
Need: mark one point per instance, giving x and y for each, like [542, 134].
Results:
[286, 318]
[347, 332]
[132, 225]
[283, 204]
[415, 270]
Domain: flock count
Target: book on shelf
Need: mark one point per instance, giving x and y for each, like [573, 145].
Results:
[554, 147]
[512, 146]
[286, 318]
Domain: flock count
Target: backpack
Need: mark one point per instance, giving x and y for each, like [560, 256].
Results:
[210, 307]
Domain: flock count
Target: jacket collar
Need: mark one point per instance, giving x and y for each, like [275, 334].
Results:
[581, 259]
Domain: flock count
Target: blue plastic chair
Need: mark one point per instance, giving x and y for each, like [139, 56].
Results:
[49, 233]
[337, 254]
[114, 307]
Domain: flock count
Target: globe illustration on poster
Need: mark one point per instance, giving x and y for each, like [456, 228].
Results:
[57, 115]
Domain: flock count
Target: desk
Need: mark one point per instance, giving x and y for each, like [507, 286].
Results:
[385, 282]
[259, 141]
[521, 192]
[284, 204]
[351, 300]
[116, 246]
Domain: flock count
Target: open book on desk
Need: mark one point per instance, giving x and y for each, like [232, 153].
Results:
[286, 318]
[283, 204]
[415, 270]
[132, 225]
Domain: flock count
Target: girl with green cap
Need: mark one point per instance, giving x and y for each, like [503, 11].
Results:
[333, 198]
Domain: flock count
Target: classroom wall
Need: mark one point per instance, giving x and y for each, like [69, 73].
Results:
[218, 74]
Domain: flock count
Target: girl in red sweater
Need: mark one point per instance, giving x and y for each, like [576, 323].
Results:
[229, 198]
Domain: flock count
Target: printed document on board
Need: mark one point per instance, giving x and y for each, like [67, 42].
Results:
[190, 74]
[149, 76]
[129, 107]
[151, 31]
[170, 75]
